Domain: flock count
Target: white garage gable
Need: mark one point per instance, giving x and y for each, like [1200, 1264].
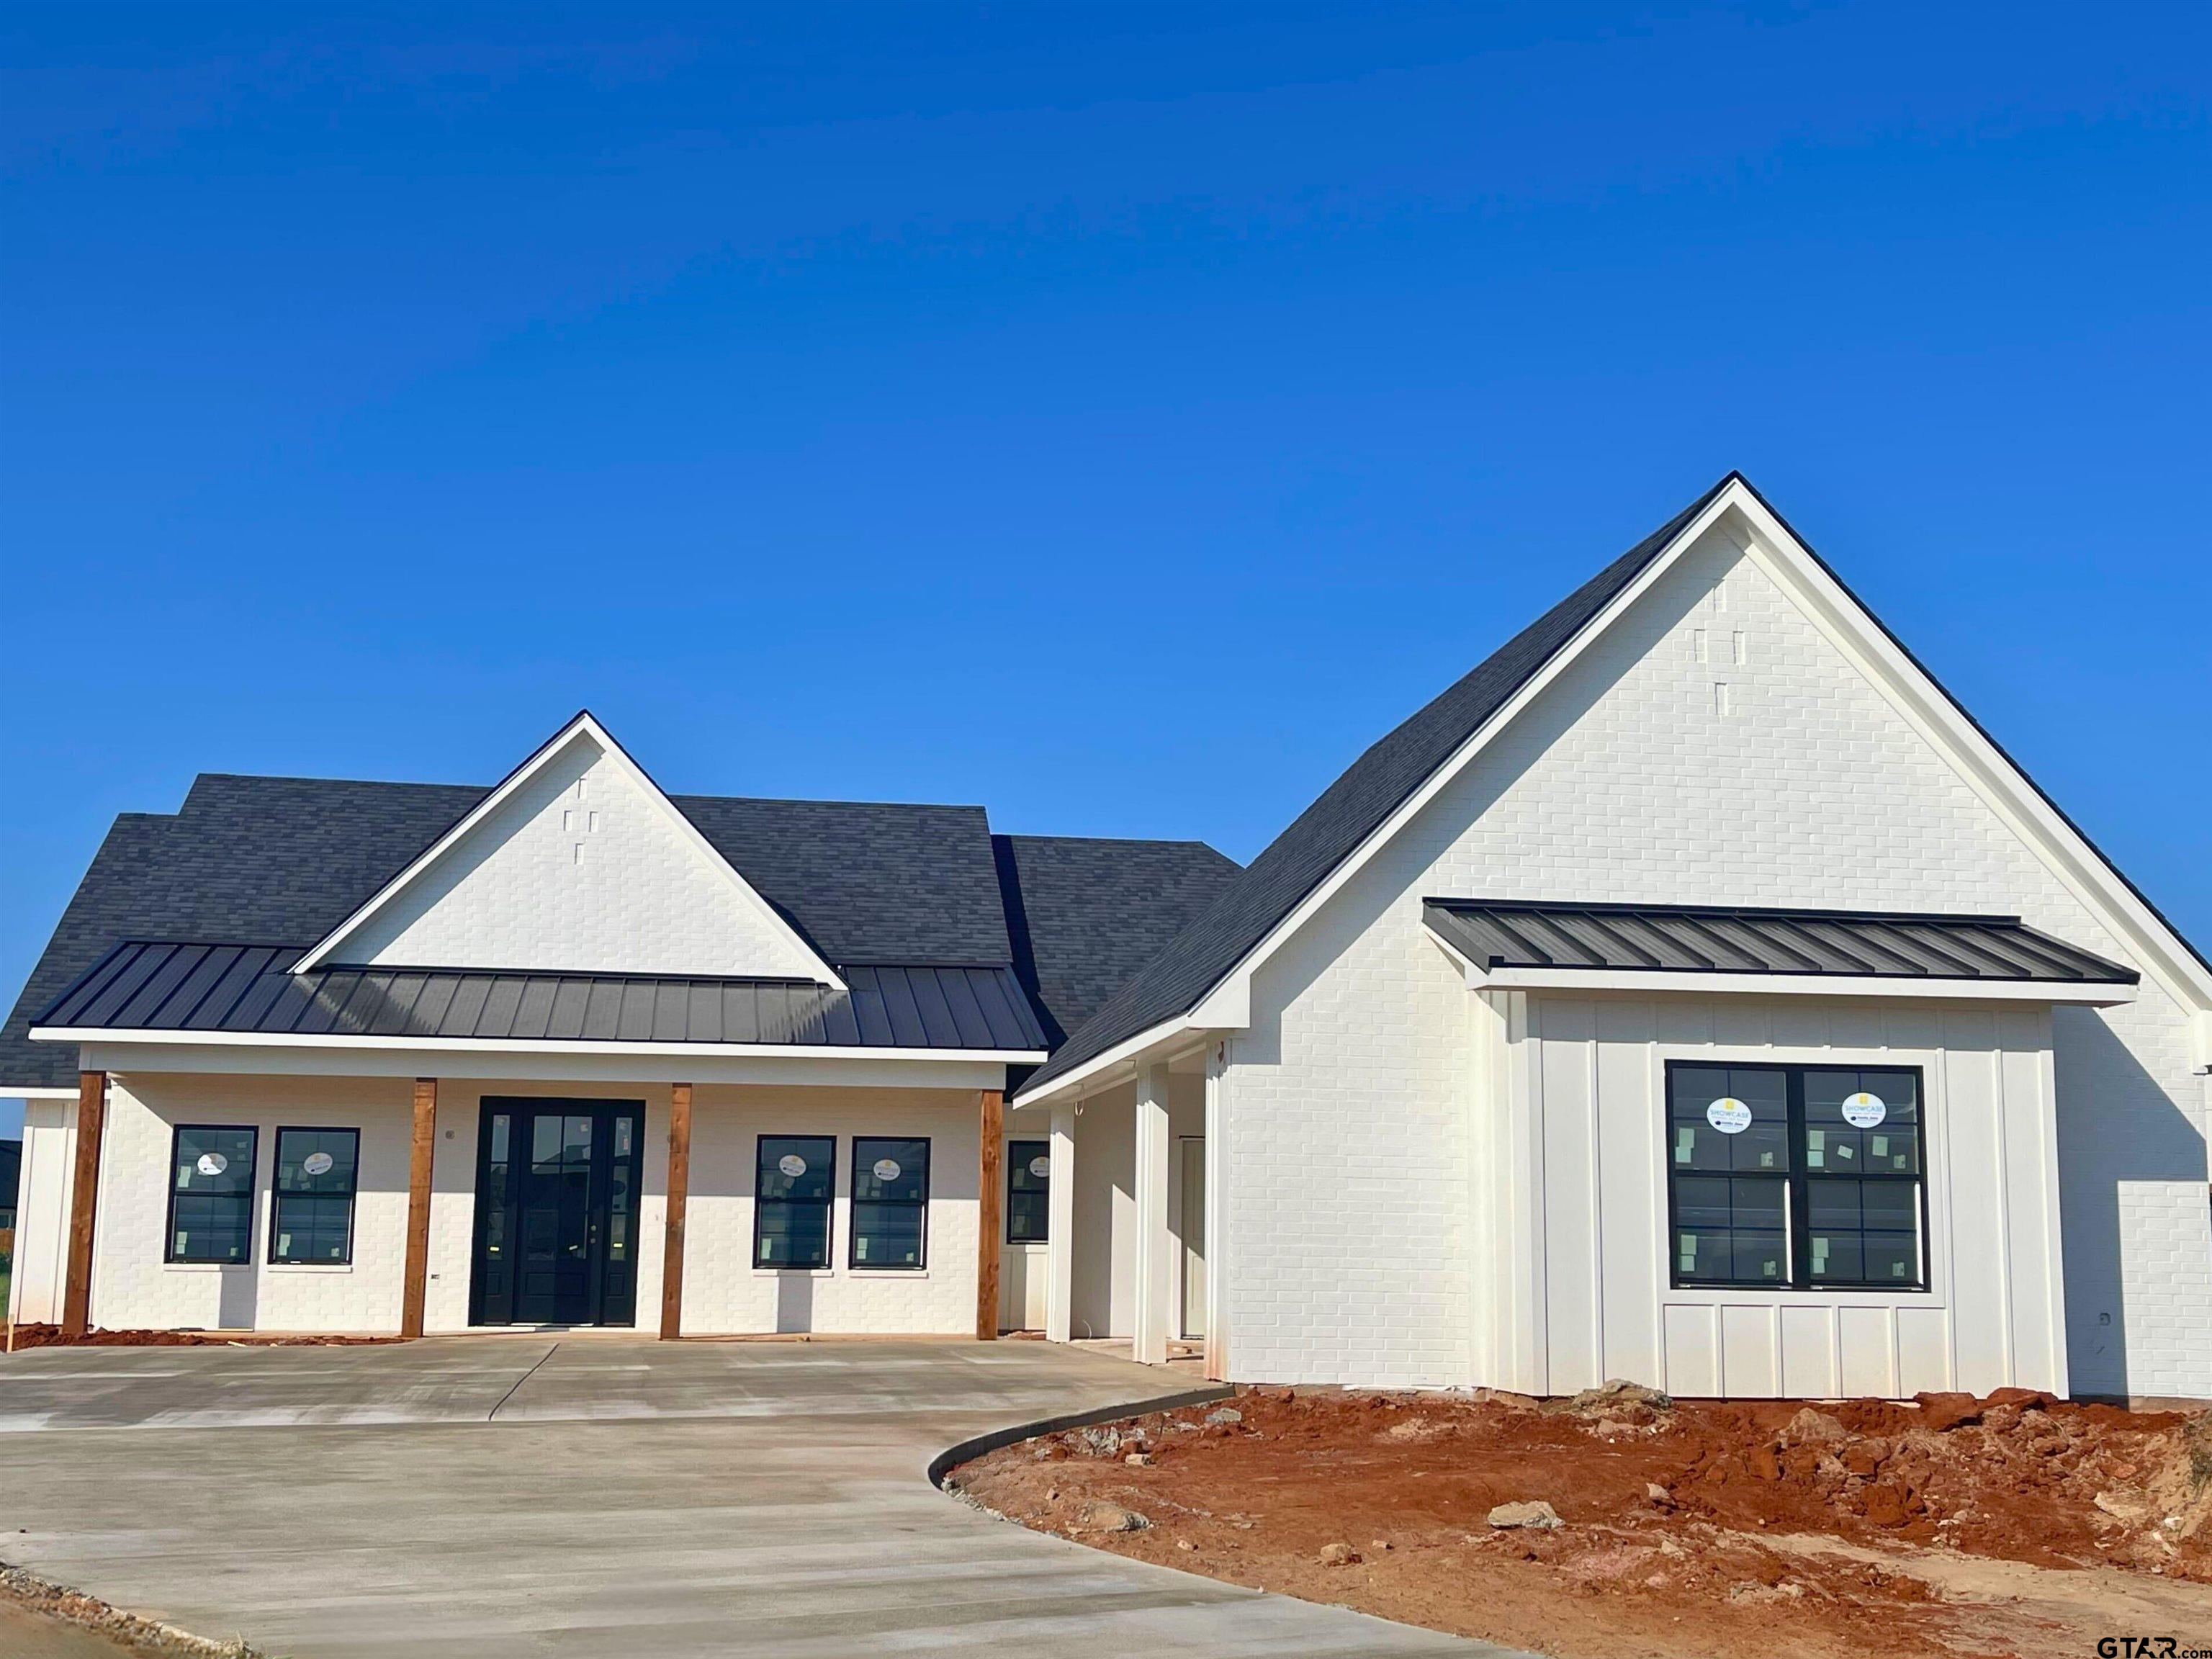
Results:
[1736, 731]
[577, 863]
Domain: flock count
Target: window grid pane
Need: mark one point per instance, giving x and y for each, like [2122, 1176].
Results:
[211, 1195]
[793, 1181]
[1028, 1206]
[1796, 1177]
[891, 1201]
[311, 1220]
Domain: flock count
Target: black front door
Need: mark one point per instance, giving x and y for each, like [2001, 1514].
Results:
[556, 1212]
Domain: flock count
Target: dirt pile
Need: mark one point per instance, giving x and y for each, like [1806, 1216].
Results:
[1727, 1529]
[50, 1336]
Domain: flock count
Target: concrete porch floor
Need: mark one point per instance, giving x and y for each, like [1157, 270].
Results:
[535, 1496]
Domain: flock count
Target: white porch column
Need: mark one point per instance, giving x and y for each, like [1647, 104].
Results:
[1155, 1253]
[1060, 1227]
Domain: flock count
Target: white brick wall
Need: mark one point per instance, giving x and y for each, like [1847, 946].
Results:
[1346, 1109]
[580, 869]
[133, 1289]
[723, 1291]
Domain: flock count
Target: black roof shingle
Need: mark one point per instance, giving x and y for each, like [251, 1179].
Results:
[1349, 811]
[264, 859]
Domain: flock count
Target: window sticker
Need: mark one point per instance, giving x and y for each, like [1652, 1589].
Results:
[791, 1164]
[1689, 1249]
[212, 1164]
[1846, 1151]
[1728, 1114]
[1819, 1253]
[1041, 1167]
[283, 1243]
[316, 1163]
[1686, 1142]
[1863, 1110]
[1816, 1149]
[886, 1168]
[1878, 1147]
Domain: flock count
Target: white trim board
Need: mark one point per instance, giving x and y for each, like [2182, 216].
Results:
[1759, 535]
[127, 1037]
[583, 726]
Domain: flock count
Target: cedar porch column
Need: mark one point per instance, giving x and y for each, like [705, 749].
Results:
[1154, 1246]
[420, 1155]
[679, 1200]
[991, 1222]
[1060, 1226]
[84, 1197]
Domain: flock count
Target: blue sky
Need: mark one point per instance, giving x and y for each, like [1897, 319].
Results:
[1118, 417]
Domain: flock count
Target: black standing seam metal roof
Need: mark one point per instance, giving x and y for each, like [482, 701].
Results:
[1390, 771]
[1744, 940]
[199, 987]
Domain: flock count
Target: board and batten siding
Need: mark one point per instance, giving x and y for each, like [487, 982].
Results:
[1577, 1108]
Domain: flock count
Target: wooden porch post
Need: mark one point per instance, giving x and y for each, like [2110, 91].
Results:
[421, 1152]
[84, 1197]
[990, 1213]
[679, 1196]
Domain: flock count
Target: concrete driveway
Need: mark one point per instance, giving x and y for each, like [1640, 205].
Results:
[590, 1496]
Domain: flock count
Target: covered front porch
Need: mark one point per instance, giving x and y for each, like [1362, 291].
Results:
[1131, 1248]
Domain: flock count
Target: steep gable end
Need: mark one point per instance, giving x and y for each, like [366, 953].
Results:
[1203, 980]
[577, 863]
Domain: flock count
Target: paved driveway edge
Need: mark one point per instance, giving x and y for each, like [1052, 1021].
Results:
[967, 1450]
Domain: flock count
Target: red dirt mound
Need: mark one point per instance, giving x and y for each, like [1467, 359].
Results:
[1739, 1530]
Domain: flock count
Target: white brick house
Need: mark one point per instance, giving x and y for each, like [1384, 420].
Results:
[1693, 993]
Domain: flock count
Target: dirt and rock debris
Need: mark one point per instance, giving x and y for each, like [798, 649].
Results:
[1622, 1523]
[50, 1336]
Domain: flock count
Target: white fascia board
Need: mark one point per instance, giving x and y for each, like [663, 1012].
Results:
[800, 1071]
[1974, 755]
[127, 1038]
[2201, 1044]
[17, 1091]
[1156, 1046]
[1905, 987]
[584, 726]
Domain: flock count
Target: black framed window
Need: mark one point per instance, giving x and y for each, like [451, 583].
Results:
[890, 1202]
[1802, 1177]
[792, 1190]
[211, 1194]
[311, 1218]
[1028, 1191]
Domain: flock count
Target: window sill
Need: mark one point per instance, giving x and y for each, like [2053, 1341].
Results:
[207, 1267]
[794, 1273]
[310, 1266]
[886, 1273]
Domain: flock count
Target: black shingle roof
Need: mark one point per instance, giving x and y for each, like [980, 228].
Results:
[1350, 809]
[265, 859]
[1085, 915]
[1676, 939]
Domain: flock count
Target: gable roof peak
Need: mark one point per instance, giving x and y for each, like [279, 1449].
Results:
[583, 725]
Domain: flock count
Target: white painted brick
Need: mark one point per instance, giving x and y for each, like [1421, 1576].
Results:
[1347, 1165]
[638, 898]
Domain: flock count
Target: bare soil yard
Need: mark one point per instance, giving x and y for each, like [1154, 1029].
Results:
[50, 1336]
[2015, 1525]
